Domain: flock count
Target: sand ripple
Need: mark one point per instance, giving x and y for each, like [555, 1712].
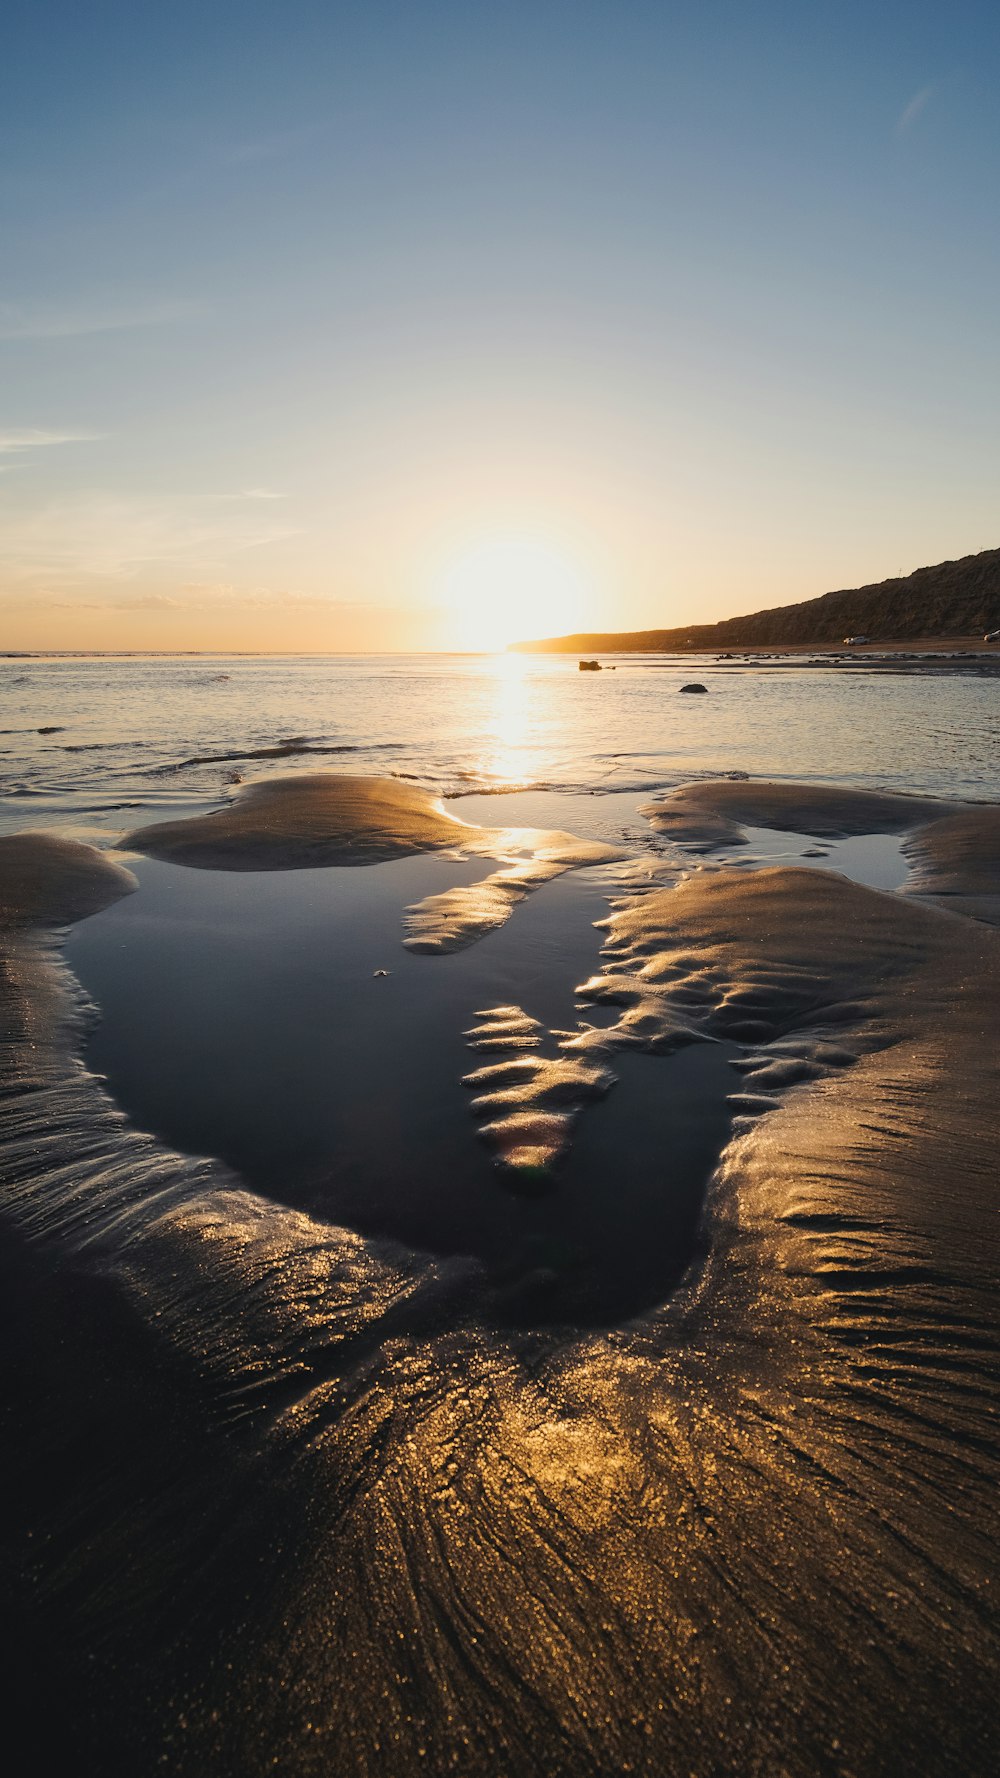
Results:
[751, 1534]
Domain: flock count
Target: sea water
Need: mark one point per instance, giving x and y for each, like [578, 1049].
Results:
[111, 742]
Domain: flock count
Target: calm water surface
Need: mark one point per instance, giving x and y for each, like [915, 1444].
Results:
[156, 732]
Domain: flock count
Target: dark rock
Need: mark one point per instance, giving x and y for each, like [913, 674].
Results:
[694, 687]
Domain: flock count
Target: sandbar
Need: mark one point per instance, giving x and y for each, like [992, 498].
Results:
[314, 818]
[713, 812]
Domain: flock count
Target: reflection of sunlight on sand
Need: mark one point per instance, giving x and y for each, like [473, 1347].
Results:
[531, 856]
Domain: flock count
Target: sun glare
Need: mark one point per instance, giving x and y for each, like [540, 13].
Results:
[511, 589]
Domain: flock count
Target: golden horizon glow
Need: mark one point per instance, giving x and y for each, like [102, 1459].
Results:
[510, 589]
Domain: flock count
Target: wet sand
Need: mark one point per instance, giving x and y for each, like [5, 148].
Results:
[327, 818]
[335, 1505]
[715, 812]
[313, 819]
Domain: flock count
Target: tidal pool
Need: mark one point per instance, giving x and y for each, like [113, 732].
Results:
[241, 1016]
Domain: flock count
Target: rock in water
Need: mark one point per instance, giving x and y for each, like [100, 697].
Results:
[694, 687]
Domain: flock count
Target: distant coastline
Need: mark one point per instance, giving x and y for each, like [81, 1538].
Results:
[952, 602]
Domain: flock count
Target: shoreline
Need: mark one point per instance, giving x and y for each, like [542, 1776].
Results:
[921, 650]
[891, 645]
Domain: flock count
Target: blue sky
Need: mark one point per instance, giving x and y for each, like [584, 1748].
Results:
[307, 313]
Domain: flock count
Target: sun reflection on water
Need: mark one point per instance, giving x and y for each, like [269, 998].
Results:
[513, 722]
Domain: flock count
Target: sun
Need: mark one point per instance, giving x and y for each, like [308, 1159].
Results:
[511, 589]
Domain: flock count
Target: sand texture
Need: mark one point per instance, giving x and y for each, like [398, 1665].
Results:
[330, 818]
[714, 813]
[314, 818]
[527, 1103]
[458, 917]
[328, 1518]
[957, 861]
[46, 880]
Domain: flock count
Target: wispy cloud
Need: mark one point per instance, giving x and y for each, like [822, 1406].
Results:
[143, 602]
[908, 116]
[35, 438]
[122, 538]
[47, 321]
[255, 494]
[191, 596]
[215, 594]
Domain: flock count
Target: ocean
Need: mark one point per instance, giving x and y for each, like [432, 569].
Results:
[81, 737]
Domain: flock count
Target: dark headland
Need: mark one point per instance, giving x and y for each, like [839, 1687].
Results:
[952, 601]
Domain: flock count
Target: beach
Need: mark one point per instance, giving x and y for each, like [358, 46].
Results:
[499, 1216]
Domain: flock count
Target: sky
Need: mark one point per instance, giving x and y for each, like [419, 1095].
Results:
[433, 325]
